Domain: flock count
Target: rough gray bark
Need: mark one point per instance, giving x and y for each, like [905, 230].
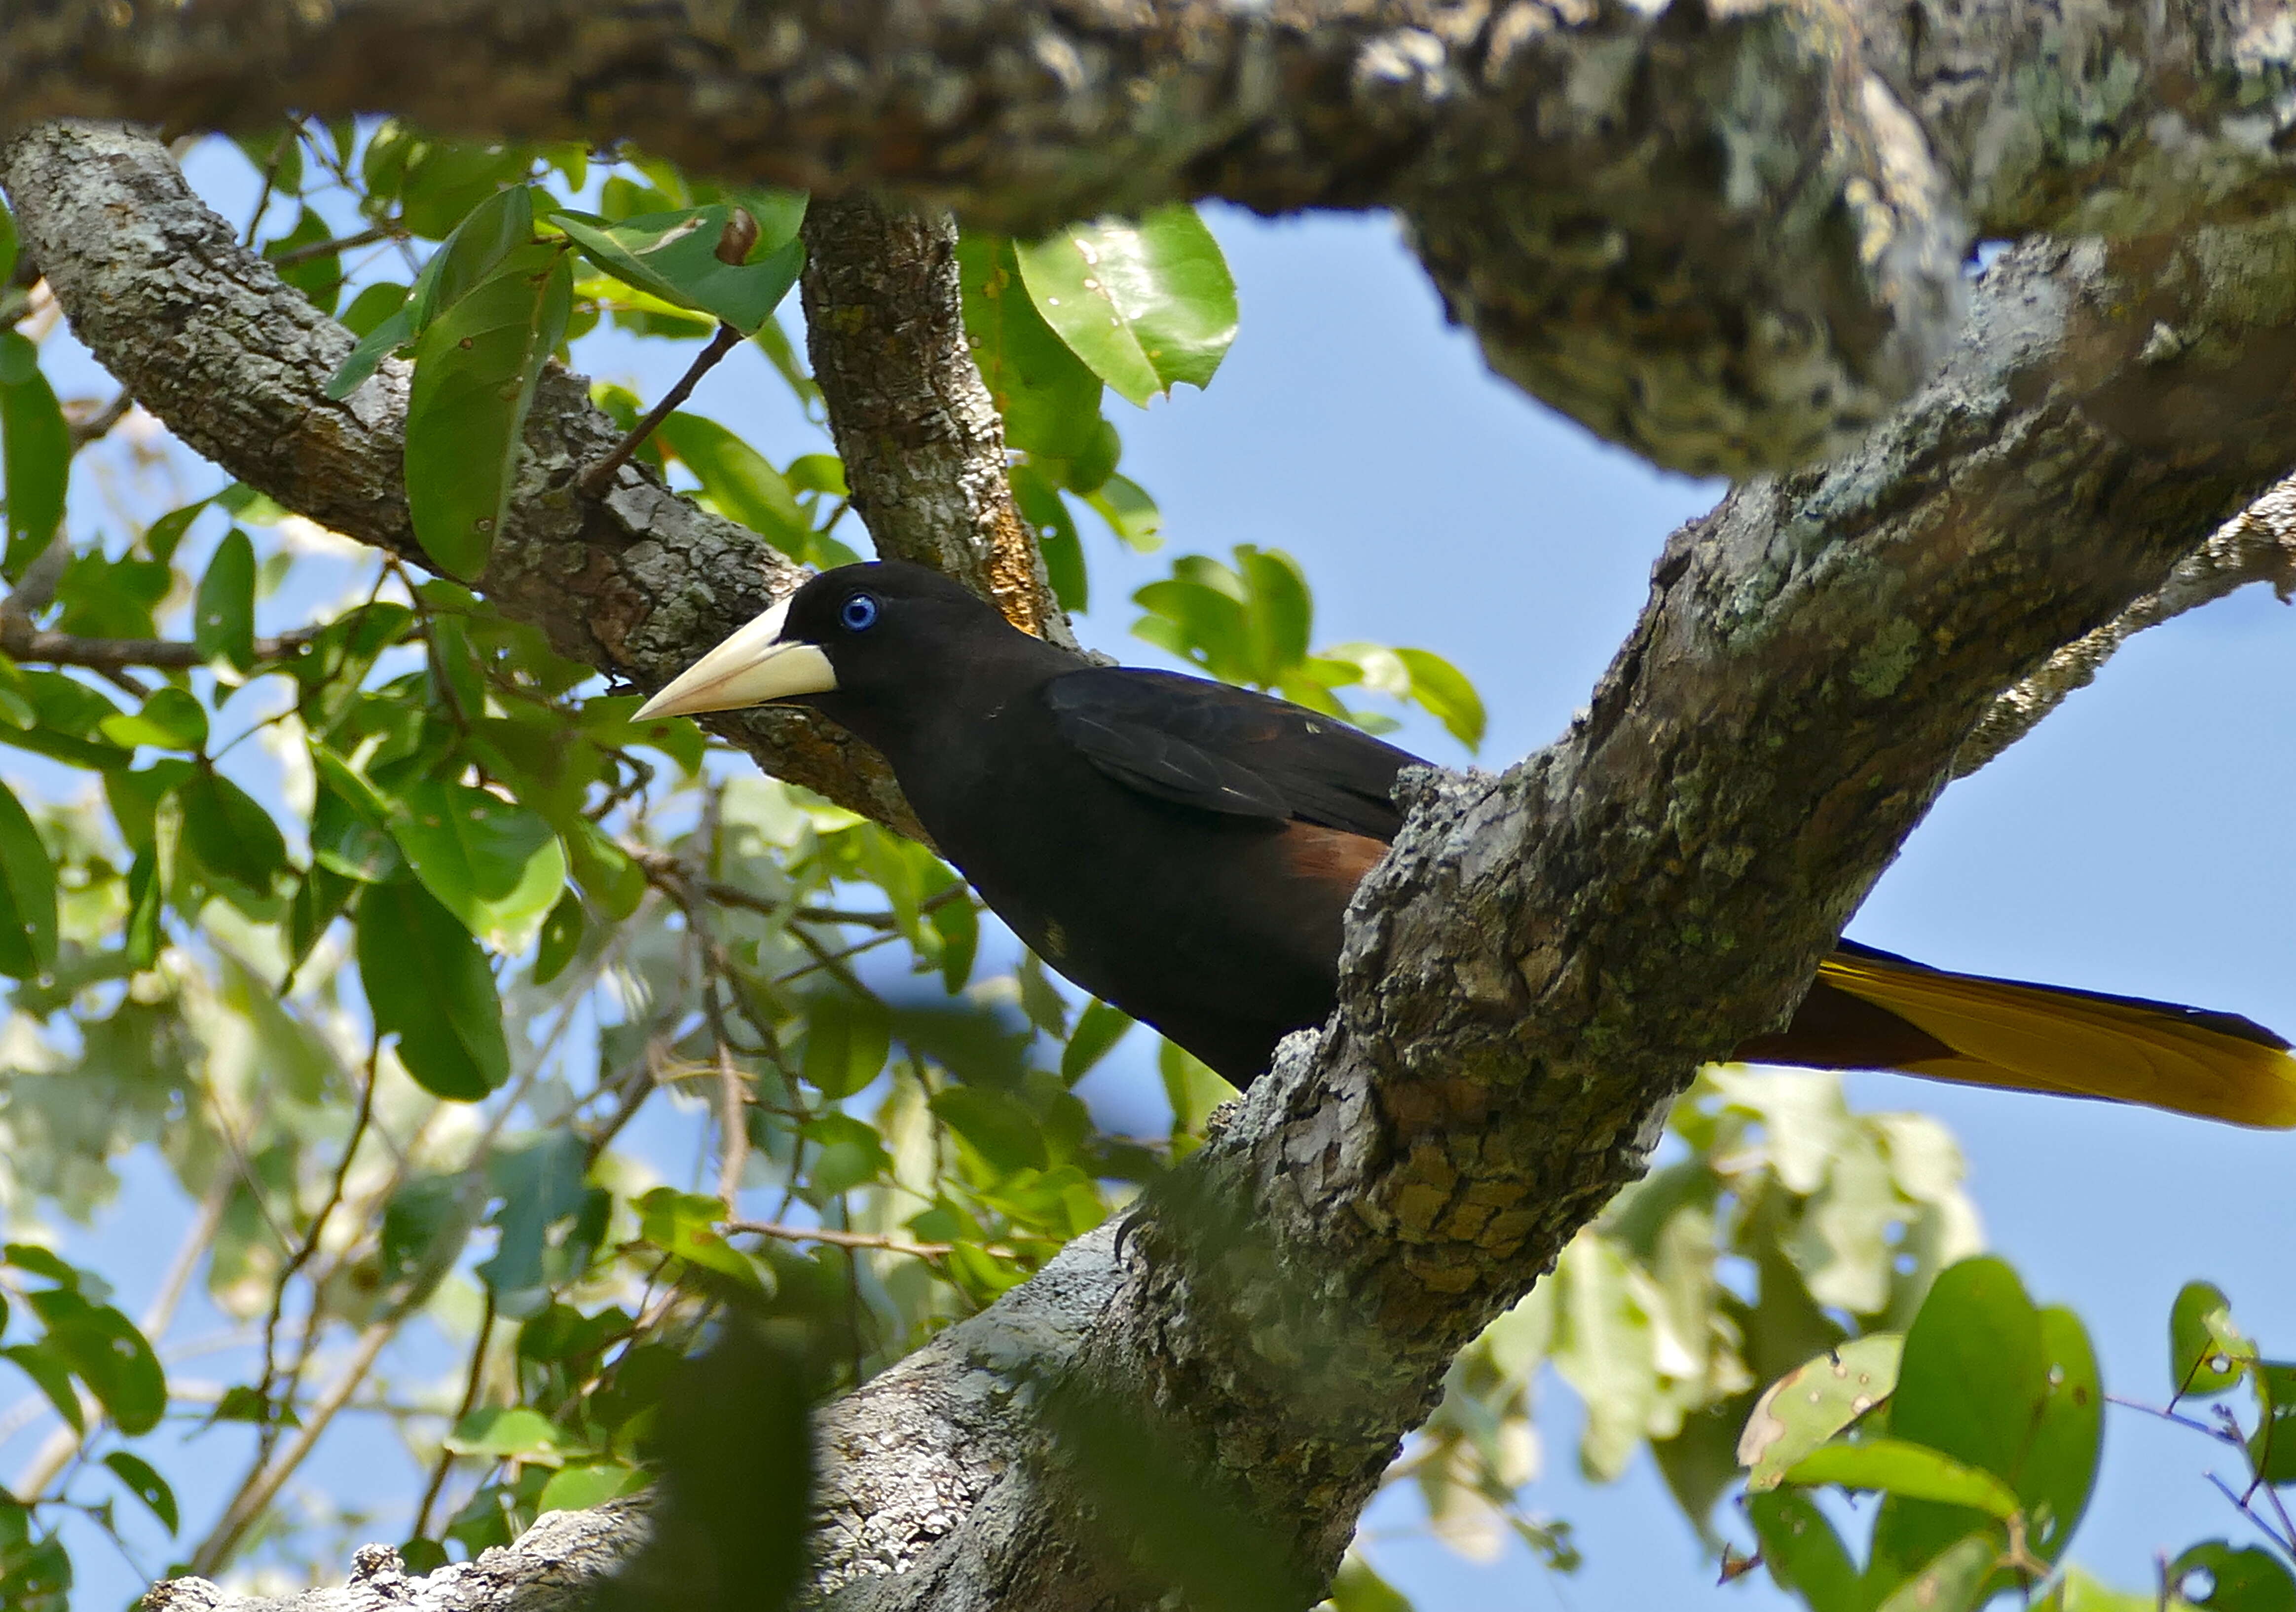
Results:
[1726, 235]
[922, 445]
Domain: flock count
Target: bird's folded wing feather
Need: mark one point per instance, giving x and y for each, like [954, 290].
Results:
[1228, 750]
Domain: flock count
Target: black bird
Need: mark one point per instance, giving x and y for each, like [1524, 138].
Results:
[1187, 850]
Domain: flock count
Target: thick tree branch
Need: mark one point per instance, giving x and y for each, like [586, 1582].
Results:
[922, 445]
[1725, 236]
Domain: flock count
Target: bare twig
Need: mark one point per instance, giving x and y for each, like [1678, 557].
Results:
[839, 1240]
[600, 476]
[310, 1246]
[393, 231]
[734, 1151]
[472, 1385]
[94, 426]
[22, 641]
[2258, 545]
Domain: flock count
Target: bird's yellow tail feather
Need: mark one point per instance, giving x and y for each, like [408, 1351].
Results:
[2042, 1038]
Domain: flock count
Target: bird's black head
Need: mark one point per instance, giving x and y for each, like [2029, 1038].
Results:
[868, 644]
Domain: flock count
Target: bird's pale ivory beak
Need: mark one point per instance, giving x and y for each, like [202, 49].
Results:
[753, 666]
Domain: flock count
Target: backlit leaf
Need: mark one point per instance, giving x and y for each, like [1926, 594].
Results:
[1815, 1401]
[475, 371]
[495, 865]
[223, 612]
[1049, 399]
[739, 480]
[28, 895]
[34, 454]
[1146, 304]
[674, 255]
[146, 1485]
[428, 984]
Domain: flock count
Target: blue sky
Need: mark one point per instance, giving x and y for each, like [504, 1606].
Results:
[2135, 844]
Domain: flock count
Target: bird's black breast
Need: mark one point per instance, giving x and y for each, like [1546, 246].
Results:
[1182, 849]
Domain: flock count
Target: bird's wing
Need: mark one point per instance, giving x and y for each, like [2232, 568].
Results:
[1228, 750]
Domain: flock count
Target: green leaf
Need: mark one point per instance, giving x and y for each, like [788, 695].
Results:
[232, 842]
[475, 371]
[171, 719]
[1003, 1132]
[372, 306]
[484, 236]
[1815, 1401]
[1098, 1028]
[957, 922]
[2067, 1443]
[1130, 514]
[1281, 613]
[513, 1432]
[1047, 511]
[2246, 1579]
[739, 480]
[34, 454]
[44, 1263]
[1804, 1555]
[1358, 1589]
[1193, 1086]
[28, 895]
[160, 538]
[1049, 399]
[222, 612]
[8, 244]
[146, 1485]
[425, 1224]
[674, 255]
[684, 1223]
[428, 984]
[540, 1182]
[392, 332]
[579, 1488]
[1973, 1384]
[1443, 691]
[1893, 1465]
[320, 279]
[48, 1372]
[847, 1153]
[495, 865]
[1952, 1580]
[106, 1351]
[847, 1037]
[561, 939]
[141, 941]
[1146, 304]
[2206, 1351]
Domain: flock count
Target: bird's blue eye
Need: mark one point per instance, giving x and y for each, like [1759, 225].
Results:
[858, 614]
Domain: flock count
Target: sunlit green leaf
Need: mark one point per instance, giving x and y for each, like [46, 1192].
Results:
[171, 719]
[1098, 1028]
[1893, 1465]
[578, 1488]
[47, 1368]
[1953, 1580]
[496, 866]
[676, 256]
[512, 1431]
[2247, 1579]
[845, 1040]
[1146, 304]
[1815, 1401]
[2206, 1351]
[475, 371]
[1049, 399]
[1804, 1555]
[106, 1351]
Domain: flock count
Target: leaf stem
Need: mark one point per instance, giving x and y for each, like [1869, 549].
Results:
[600, 476]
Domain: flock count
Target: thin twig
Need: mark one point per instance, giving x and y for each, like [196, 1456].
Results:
[840, 1239]
[98, 426]
[263, 1485]
[22, 641]
[600, 476]
[392, 231]
[471, 1384]
[310, 1246]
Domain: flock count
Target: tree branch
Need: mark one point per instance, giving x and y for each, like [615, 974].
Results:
[1727, 237]
[20, 640]
[922, 445]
